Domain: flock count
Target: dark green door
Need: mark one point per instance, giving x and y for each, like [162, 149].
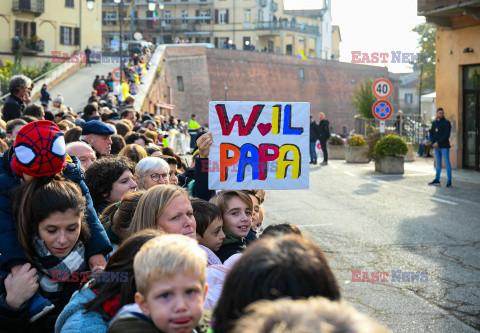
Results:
[471, 117]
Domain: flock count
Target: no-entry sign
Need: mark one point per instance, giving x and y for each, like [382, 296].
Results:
[382, 88]
[382, 110]
[116, 74]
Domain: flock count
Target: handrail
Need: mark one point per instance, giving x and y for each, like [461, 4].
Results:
[38, 78]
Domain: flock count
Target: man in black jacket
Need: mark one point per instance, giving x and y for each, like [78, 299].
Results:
[19, 87]
[439, 136]
[323, 135]
[313, 140]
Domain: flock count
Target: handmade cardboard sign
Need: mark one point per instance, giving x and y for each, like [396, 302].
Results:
[259, 145]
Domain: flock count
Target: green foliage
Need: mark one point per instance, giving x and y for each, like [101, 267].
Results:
[336, 141]
[363, 99]
[356, 141]
[372, 139]
[390, 145]
[427, 58]
[15, 68]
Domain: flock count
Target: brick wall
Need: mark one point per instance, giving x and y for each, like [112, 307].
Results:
[254, 76]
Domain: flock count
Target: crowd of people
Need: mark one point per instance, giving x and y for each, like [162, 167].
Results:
[107, 226]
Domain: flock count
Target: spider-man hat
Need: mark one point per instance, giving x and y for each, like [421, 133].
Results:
[39, 150]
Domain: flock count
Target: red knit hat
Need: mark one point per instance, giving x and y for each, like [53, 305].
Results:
[39, 150]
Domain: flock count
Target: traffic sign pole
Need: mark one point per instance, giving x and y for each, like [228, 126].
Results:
[382, 109]
[382, 126]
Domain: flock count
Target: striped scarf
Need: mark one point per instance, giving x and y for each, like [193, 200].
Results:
[47, 263]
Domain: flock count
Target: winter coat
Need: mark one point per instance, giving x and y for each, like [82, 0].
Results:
[440, 133]
[12, 253]
[313, 131]
[231, 245]
[73, 318]
[323, 131]
[13, 108]
[45, 96]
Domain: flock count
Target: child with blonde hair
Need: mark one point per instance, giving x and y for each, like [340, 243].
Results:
[170, 275]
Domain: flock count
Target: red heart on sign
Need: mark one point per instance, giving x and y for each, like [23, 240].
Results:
[264, 128]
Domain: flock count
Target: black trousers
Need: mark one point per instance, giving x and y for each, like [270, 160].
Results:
[323, 144]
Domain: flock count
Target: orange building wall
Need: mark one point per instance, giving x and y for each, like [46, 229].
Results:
[450, 59]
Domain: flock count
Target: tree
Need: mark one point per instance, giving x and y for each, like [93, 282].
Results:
[427, 57]
[363, 99]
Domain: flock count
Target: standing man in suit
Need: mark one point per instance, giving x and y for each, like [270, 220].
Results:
[323, 135]
[439, 136]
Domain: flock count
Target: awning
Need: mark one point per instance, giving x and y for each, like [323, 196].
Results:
[165, 106]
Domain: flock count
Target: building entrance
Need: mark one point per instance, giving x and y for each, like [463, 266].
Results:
[471, 117]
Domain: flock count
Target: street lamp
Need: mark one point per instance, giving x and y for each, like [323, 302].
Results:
[151, 5]
[90, 4]
[161, 6]
[120, 18]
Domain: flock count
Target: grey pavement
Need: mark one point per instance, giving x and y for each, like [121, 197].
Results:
[77, 87]
[373, 222]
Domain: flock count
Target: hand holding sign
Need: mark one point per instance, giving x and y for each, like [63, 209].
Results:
[203, 143]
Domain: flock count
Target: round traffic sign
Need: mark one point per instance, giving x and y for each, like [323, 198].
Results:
[116, 74]
[382, 110]
[382, 88]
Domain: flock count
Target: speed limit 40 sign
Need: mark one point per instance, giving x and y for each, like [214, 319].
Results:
[382, 88]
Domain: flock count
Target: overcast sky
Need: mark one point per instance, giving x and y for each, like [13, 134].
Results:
[372, 26]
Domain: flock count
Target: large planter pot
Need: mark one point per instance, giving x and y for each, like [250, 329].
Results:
[410, 157]
[357, 154]
[390, 165]
[336, 152]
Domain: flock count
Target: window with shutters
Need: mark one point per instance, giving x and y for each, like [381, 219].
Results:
[222, 16]
[109, 18]
[66, 35]
[408, 98]
[150, 21]
[76, 36]
[167, 15]
[204, 14]
[70, 3]
[246, 16]
[25, 30]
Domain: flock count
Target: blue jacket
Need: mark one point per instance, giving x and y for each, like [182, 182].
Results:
[45, 96]
[74, 319]
[440, 133]
[11, 252]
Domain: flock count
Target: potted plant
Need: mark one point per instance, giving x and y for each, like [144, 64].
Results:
[389, 154]
[336, 148]
[356, 150]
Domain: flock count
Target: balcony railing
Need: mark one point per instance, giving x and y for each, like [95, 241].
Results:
[428, 5]
[173, 26]
[26, 46]
[288, 25]
[32, 6]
